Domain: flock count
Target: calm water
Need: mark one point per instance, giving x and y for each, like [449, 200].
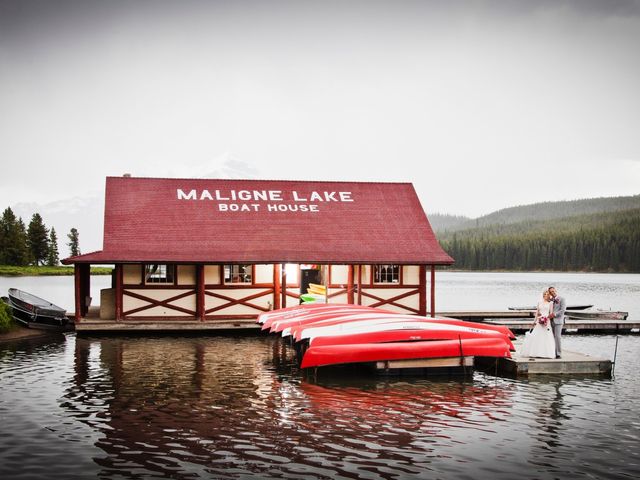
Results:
[455, 290]
[237, 407]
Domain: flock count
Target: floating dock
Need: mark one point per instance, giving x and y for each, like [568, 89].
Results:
[571, 363]
[575, 326]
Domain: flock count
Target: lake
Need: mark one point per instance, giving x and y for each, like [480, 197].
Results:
[454, 290]
[207, 406]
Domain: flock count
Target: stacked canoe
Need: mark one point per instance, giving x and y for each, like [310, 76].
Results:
[315, 294]
[335, 334]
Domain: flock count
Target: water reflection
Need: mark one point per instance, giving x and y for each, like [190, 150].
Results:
[176, 407]
[231, 407]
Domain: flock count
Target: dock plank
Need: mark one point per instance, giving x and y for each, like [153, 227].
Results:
[571, 363]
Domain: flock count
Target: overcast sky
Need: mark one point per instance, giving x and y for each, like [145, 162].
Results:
[481, 105]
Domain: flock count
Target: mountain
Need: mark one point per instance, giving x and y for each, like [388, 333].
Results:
[541, 212]
[441, 221]
[600, 235]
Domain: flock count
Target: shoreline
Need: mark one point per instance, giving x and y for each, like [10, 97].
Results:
[22, 333]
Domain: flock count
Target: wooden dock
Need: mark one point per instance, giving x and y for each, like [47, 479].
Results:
[519, 321]
[571, 363]
[575, 326]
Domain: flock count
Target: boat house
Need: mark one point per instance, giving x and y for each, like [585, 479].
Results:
[197, 254]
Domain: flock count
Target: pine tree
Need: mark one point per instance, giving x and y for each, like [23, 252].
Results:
[38, 239]
[13, 249]
[53, 257]
[74, 242]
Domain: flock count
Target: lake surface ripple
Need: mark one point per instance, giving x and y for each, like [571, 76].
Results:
[238, 407]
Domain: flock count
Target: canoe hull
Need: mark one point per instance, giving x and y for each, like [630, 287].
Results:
[376, 352]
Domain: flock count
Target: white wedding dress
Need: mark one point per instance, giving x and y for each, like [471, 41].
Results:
[540, 342]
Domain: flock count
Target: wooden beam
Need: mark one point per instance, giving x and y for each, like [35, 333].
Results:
[284, 285]
[423, 291]
[277, 289]
[433, 290]
[200, 292]
[350, 297]
[118, 292]
[78, 292]
[85, 279]
[359, 284]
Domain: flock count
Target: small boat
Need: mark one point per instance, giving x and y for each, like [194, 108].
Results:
[35, 312]
[596, 314]
[570, 307]
[325, 355]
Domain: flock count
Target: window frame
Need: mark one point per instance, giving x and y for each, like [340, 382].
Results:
[375, 278]
[232, 274]
[169, 277]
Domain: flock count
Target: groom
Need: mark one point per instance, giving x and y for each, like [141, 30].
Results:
[557, 318]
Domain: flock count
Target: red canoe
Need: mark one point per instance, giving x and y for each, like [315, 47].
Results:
[374, 352]
[343, 323]
[267, 319]
[411, 335]
[334, 315]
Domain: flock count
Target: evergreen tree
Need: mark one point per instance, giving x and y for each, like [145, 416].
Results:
[74, 242]
[38, 239]
[13, 248]
[24, 255]
[53, 257]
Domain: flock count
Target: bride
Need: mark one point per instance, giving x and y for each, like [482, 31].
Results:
[540, 342]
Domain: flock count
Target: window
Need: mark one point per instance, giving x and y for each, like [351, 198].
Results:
[386, 274]
[238, 274]
[159, 273]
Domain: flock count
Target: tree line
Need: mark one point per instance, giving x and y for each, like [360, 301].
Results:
[34, 244]
[602, 243]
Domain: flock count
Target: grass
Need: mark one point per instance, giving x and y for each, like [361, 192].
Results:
[6, 321]
[33, 271]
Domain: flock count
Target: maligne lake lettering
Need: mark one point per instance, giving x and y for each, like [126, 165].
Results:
[264, 195]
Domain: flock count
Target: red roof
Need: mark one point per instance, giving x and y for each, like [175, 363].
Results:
[263, 221]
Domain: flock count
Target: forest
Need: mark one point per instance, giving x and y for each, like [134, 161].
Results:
[598, 242]
[33, 244]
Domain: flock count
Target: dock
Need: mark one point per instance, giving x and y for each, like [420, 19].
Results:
[571, 363]
[519, 321]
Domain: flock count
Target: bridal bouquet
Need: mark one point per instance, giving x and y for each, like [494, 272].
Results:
[543, 321]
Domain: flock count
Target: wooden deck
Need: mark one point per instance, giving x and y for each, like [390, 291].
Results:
[575, 326]
[93, 323]
[518, 321]
[571, 363]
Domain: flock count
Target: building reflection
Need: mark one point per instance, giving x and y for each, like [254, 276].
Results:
[216, 406]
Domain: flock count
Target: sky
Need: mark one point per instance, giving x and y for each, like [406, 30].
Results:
[482, 105]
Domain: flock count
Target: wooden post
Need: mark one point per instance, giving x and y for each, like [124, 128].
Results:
[276, 286]
[325, 274]
[200, 288]
[78, 292]
[350, 297]
[119, 294]
[433, 290]
[422, 309]
[284, 286]
[359, 284]
[85, 279]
